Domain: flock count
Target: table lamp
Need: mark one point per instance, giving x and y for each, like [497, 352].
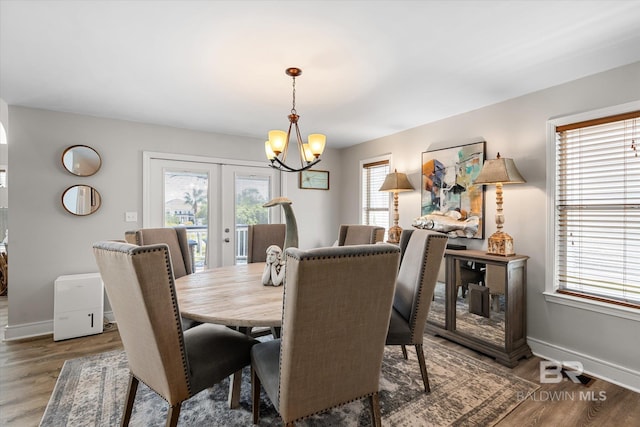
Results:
[395, 182]
[499, 171]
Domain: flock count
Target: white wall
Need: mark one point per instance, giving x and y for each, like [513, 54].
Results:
[47, 242]
[517, 129]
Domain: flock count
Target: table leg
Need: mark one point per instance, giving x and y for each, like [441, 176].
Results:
[235, 381]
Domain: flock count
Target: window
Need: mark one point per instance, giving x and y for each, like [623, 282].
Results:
[375, 204]
[597, 209]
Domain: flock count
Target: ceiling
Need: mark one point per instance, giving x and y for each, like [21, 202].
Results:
[370, 68]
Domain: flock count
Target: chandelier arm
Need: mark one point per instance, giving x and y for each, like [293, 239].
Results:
[303, 158]
[286, 143]
[285, 168]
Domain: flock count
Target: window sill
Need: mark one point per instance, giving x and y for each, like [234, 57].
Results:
[591, 305]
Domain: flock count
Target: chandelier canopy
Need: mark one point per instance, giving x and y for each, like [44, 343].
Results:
[278, 144]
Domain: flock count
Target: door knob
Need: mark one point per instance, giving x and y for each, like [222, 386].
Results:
[227, 240]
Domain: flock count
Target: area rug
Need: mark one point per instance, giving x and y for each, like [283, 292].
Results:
[90, 391]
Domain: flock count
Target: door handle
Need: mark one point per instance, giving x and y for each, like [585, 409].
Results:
[227, 240]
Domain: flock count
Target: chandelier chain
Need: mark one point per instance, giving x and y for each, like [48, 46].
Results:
[293, 104]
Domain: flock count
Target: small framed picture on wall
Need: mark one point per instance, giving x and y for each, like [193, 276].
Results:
[314, 180]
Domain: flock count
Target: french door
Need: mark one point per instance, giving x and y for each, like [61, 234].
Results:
[215, 200]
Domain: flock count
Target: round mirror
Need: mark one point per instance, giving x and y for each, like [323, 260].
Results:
[81, 160]
[81, 200]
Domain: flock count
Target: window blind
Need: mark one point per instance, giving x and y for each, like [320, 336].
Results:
[597, 221]
[375, 204]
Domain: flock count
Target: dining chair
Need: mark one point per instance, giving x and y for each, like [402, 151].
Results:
[357, 234]
[260, 237]
[337, 303]
[176, 239]
[422, 255]
[175, 364]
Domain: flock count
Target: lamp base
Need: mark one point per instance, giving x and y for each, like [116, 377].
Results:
[394, 234]
[500, 243]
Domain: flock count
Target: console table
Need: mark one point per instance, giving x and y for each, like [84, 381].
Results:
[490, 316]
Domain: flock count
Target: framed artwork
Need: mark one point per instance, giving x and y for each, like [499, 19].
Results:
[451, 203]
[314, 180]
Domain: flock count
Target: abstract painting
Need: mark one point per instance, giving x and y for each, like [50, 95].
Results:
[451, 203]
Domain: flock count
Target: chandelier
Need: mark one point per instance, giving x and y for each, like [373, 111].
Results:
[278, 144]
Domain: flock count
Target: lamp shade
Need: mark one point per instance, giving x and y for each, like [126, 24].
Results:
[499, 170]
[396, 182]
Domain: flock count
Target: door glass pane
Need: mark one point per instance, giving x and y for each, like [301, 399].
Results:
[186, 203]
[252, 192]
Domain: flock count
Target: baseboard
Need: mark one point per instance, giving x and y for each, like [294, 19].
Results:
[37, 329]
[607, 371]
[28, 330]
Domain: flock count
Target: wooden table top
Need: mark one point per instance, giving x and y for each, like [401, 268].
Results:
[232, 296]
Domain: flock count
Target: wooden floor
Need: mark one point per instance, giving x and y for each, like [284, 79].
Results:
[29, 369]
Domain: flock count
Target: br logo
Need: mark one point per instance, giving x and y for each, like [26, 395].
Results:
[552, 371]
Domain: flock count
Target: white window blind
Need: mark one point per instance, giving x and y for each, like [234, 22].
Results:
[597, 221]
[375, 204]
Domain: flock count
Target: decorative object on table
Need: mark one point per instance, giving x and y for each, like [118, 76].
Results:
[314, 180]
[500, 171]
[291, 233]
[395, 183]
[448, 185]
[278, 144]
[450, 222]
[81, 160]
[274, 269]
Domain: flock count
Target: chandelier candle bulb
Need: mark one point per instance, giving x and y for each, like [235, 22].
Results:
[277, 140]
[268, 151]
[317, 142]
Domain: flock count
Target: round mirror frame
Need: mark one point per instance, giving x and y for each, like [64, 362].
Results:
[89, 160]
[94, 202]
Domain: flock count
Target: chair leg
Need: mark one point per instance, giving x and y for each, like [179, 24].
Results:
[131, 397]
[173, 415]
[404, 352]
[255, 396]
[374, 399]
[423, 368]
[235, 382]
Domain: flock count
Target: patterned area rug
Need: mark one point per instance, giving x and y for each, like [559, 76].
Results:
[90, 391]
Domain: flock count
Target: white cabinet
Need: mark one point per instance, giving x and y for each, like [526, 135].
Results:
[78, 306]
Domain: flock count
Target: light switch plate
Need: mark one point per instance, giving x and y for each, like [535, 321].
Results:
[131, 216]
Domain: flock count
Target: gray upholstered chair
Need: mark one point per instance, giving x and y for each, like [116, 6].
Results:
[176, 365]
[319, 362]
[260, 237]
[356, 234]
[176, 239]
[422, 253]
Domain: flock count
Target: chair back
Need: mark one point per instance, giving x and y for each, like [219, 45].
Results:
[422, 255]
[356, 234]
[140, 286]
[174, 237]
[260, 237]
[337, 306]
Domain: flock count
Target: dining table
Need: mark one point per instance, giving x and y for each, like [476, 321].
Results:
[233, 296]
